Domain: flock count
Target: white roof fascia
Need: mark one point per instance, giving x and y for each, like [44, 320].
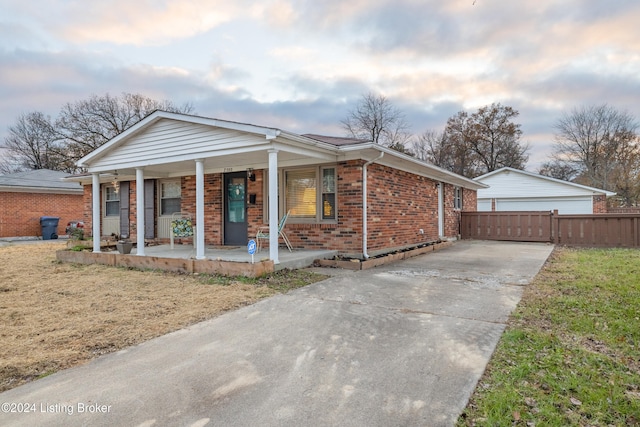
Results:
[547, 178]
[432, 171]
[43, 190]
[304, 151]
[309, 141]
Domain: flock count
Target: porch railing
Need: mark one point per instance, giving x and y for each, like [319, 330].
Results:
[164, 227]
[110, 225]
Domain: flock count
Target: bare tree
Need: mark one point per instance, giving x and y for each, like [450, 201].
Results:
[491, 135]
[31, 144]
[474, 144]
[85, 125]
[375, 119]
[626, 174]
[558, 170]
[451, 154]
[600, 143]
[427, 146]
[35, 142]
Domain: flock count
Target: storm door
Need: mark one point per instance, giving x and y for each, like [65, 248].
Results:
[235, 209]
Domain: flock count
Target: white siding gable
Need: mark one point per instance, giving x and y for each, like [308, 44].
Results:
[170, 140]
[509, 184]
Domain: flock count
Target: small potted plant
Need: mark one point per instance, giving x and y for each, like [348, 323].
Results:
[123, 245]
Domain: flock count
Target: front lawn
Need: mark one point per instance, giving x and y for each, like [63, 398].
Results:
[56, 315]
[570, 355]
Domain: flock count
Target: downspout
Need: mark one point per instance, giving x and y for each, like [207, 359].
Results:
[365, 254]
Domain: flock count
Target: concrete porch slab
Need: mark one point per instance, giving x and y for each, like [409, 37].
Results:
[292, 260]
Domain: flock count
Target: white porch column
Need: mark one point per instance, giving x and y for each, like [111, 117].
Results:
[199, 237]
[95, 213]
[140, 211]
[273, 206]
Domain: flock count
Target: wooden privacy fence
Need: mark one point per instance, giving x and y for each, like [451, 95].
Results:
[600, 230]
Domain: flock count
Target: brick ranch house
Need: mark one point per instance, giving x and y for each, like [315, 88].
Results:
[234, 178]
[27, 196]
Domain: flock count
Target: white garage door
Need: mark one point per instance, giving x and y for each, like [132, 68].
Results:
[564, 205]
[484, 205]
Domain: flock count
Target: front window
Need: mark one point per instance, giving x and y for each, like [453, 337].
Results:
[457, 198]
[170, 197]
[328, 193]
[310, 194]
[301, 193]
[112, 202]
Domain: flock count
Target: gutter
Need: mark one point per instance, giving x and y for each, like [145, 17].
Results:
[412, 165]
[365, 254]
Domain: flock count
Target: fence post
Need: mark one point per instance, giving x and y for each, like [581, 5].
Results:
[554, 225]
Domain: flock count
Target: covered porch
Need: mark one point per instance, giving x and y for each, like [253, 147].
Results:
[209, 159]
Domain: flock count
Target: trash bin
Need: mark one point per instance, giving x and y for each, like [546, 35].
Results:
[49, 226]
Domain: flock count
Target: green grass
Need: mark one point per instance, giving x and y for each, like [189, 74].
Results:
[570, 355]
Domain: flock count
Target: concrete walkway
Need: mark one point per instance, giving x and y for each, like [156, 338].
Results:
[400, 345]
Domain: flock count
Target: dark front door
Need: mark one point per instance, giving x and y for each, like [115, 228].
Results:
[235, 209]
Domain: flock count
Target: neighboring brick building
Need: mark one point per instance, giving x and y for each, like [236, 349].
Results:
[222, 170]
[27, 196]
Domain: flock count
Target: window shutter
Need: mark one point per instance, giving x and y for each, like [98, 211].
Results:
[149, 208]
[124, 209]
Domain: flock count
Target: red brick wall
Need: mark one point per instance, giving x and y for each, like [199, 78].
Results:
[600, 204]
[469, 200]
[629, 210]
[133, 210]
[451, 215]
[20, 212]
[87, 210]
[400, 204]
[255, 212]
[213, 219]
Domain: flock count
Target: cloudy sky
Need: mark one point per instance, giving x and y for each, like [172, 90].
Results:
[302, 65]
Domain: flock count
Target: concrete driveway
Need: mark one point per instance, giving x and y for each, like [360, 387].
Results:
[400, 345]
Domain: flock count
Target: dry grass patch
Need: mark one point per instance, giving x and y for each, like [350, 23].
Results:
[57, 315]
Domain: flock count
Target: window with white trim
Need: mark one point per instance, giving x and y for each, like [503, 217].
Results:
[328, 193]
[310, 194]
[111, 201]
[457, 198]
[170, 197]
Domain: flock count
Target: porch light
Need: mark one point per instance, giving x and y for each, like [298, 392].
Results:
[250, 175]
[115, 183]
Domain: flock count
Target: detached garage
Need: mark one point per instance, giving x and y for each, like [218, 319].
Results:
[516, 190]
